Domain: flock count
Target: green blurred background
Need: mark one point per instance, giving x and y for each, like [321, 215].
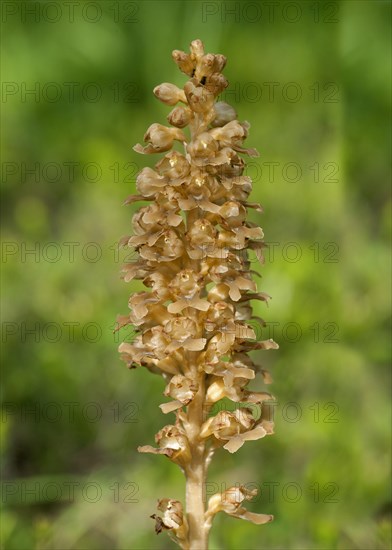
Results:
[313, 79]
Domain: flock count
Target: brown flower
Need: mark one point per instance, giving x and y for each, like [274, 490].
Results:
[160, 138]
[189, 246]
[173, 443]
[173, 520]
[232, 429]
[182, 389]
[230, 502]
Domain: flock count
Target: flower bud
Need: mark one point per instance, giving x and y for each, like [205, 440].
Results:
[209, 64]
[216, 391]
[169, 93]
[205, 66]
[229, 133]
[160, 139]
[224, 113]
[197, 49]
[162, 136]
[179, 117]
[216, 83]
[220, 62]
[184, 62]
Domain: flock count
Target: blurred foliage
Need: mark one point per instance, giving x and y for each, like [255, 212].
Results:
[329, 459]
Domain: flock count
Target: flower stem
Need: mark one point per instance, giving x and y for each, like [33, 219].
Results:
[196, 473]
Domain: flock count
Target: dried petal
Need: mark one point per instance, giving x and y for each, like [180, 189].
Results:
[173, 520]
[149, 182]
[180, 388]
[173, 443]
[230, 502]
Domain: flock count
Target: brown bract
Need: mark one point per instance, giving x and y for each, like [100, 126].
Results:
[190, 248]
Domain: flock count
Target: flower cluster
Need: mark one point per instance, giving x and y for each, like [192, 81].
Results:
[192, 323]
